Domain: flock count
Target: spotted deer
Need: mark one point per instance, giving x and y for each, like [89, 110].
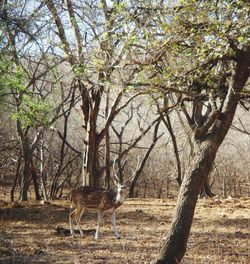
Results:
[101, 200]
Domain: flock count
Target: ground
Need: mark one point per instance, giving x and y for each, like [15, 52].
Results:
[28, 233]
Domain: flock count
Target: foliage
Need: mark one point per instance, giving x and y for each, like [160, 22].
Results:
[194, 39]
[33, 112]
[12, 76]
[30, 110]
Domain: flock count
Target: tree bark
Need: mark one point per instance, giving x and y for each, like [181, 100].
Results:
[35, 180]
[26, 177]
[175, 245]
[92, 174]
[206, 190]
[107, 143]
[17, 175]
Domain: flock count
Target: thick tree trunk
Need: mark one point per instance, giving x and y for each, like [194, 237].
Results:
[92, 173]
[175, 245]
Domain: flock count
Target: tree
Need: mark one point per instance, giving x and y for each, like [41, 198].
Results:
[198, 51]
[213, 51]
[99, 56]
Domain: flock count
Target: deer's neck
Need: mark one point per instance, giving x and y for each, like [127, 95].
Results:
[119, 199]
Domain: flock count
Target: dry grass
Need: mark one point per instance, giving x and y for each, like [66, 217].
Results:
[220, 233]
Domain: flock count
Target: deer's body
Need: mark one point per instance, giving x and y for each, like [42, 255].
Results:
[102, 200]
[96, 199]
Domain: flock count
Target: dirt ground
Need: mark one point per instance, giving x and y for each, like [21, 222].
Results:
[28, 233]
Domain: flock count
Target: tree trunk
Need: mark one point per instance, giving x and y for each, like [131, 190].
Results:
[25, 183]
[206, 190]
[175, 245]
[12, 192]
[107, 143]
[43, 183]
[107, 160]
[35, 180]
[26, 177]
[55, 183]
[92, 173]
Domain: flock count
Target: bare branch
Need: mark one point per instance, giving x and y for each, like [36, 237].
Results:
[76, 28]
[61, 31]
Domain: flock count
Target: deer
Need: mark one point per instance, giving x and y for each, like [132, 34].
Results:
[101, 200]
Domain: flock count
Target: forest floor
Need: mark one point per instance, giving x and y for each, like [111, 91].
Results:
[28, 233]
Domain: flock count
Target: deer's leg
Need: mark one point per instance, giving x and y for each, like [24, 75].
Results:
[99, 218]
[72, 216]
[114, 226]
[80, 211]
